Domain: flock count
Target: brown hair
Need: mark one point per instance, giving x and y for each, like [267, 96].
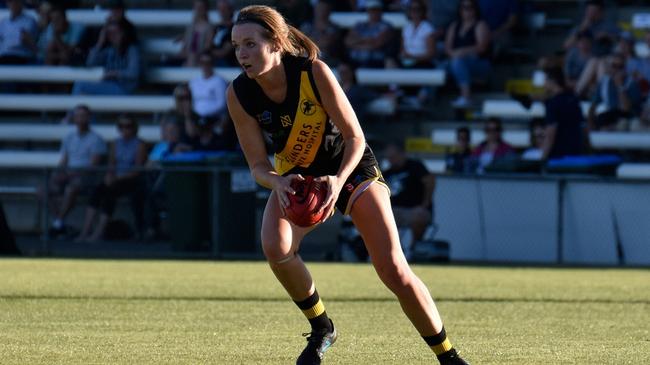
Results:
[277, 30]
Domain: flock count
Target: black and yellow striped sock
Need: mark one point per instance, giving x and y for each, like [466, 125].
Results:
[314, 309]
[440, 344]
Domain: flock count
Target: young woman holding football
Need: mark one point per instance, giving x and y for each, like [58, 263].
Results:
[288, 93]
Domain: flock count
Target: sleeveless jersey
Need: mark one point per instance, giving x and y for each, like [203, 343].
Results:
[304, 138]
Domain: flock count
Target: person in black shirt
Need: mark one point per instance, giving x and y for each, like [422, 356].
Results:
[411, 187]
[564, 118]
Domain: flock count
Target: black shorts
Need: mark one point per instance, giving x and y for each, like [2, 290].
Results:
[359, 180]
[366, 172]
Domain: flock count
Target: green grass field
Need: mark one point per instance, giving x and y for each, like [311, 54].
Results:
[197, 312]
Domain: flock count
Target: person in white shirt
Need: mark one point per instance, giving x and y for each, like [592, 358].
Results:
[418, 38]
[208, 90]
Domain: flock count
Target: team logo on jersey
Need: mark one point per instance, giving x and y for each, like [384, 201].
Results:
[286, 121]
[265, 117]
[307, 107]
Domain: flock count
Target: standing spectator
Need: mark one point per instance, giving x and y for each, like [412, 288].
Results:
[80, 150]
[123, 177]
[18, 35]
[59, 44]
[563, 133]
[494, 148]
[327, 35]
[198, 35]
[458, 160]
[208, 90]
[468, 45]
[501, 17]
[120, 60]
[369, 42]
[577, 58]
[221, 48]
[411, 187]
[618, 92]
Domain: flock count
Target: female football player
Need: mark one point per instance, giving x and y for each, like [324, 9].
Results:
[287, 92]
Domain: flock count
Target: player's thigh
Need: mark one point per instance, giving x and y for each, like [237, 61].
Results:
[373, 217]
[279, 237]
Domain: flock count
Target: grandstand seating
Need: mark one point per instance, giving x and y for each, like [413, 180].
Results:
[181, 18]
[174, 75]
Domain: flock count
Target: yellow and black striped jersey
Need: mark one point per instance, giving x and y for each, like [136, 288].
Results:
[304, 138]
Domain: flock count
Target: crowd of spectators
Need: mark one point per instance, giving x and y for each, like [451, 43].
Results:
[596, 63]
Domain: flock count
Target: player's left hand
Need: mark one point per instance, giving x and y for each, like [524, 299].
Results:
[334, 186]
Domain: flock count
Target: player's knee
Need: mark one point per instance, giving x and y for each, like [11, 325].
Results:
[396, 276]
[275, 252]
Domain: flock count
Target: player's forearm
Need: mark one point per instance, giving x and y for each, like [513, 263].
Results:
[264, 175]
[352, 154]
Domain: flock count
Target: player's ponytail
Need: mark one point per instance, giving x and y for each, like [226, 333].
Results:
[302, 44]
[276, 29]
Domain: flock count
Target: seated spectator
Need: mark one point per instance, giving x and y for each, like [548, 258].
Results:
[535, 151]
[208, 134]
[441, 14]
[327, 35]
[170, 133]
[221, 48]
[182, 112]
[18, 35]
[618, 93]
[208, 90]
[411, 187]
[43, 19]
[370, 42]
[120, 58]
[59, 44]
[643, 123]
[458, 160]
[563, 133]
[123, 177]
[117, 13]
[198, 35]
[594, 21]
[467, 45]
[577, 58]
[634, 66]
[418, 49]
[418, 43]
[80, 150]
[358, 95]
[501, 17]
[494, 149]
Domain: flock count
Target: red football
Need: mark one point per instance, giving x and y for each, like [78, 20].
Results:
[304, 206]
